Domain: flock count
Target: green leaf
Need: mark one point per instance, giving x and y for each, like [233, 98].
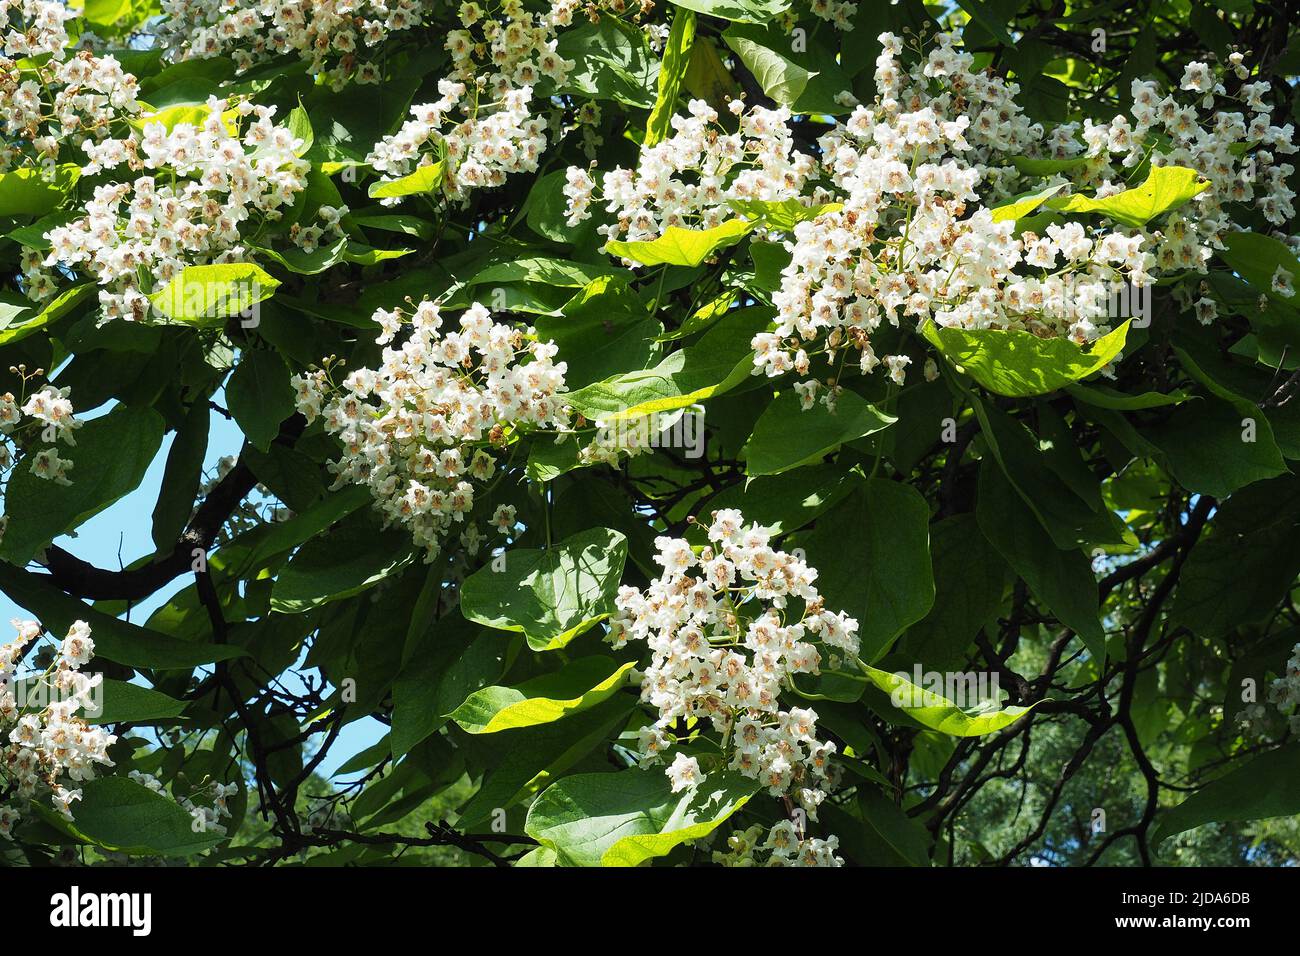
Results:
[1166, 188]
[552, 595]
[1072, 512]
[892, 832]
[123, 816]
[1062, 580]
[452, 661]
[32, 235]
[1256, 258]
[123, 702]
[787, 436]
[991, 21]
[1262, 788]
[350, 558]
[628, 817]
[770, 260]
[105, 13]
[115, 640]
[299, 124]
[189, 114]
[784, 215]
[1104, 397]
[1205, 445]
[34, 192]
[803, 75]
[603, 330]
[564, 273]
[522, 762]
[781, 78]
[182, 475]
[59, 306]
[677, 54]
[681, 247]
[784, 502]
[426, 179]
[306, 263]
[205, 295]
[969, 579]
[109, 460]
[872, 554]
[720, 361]
[1047, 167]
[612, 61]
[1238, 573]
[578, 686]
[546, 213]
[1020, 364]
[739, 11]
[937, 712]
[1025, 203]
[259, 396]
[396, 222]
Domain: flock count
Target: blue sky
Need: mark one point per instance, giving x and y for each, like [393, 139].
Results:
[122, 533]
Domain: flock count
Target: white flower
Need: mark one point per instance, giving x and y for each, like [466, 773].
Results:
[1283, 283]
[684, 772]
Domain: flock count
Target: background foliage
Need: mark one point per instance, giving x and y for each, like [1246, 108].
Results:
[1114, 552]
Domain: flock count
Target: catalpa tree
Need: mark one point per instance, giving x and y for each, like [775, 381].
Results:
[693, 432]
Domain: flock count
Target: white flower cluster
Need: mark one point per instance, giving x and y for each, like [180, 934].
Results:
[482, 126]
[913, 239]
[422, 428]
[327, 229]
[1284, 693]
[50, 418]
[40, 28]
[44, 744]
[689, 179]
[1234, 149]
[782, 845]
[918, 173]
[723, 643]
[58, 98]
[839, 13]
[479, 151]
[337, 38]
[201, 184]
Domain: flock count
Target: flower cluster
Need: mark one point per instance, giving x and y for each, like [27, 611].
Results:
[840, 13]
[691, 178]
[327, 229]
[48, 417]
[479, 151]
[724, 638]
[44, 744]
[337, 38]
[482, 126]
[782, 845]
[58, 99]
[423, 427]
[200, 184]
[908, 173]
[1284, 693]
[912, 181]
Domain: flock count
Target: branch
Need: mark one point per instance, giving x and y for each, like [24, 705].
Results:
[82, 579]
